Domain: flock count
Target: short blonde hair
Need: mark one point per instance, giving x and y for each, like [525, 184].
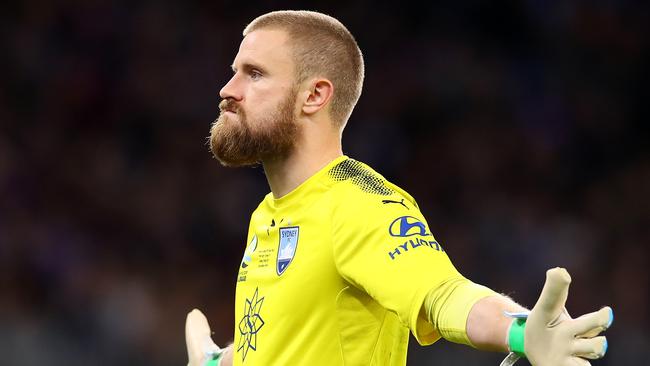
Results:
[322, 46]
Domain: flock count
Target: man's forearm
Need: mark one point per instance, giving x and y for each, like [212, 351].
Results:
[487, 325]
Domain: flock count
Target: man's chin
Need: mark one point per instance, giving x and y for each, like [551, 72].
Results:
[237, 164]
[230, 161]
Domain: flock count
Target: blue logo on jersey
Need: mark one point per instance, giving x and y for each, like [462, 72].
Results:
[250, 325]
[413, 244]
[406, 226]
[287, 247]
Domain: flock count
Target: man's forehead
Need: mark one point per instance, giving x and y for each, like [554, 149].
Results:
[263, 46]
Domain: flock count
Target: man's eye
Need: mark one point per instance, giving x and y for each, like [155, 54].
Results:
[255, 75]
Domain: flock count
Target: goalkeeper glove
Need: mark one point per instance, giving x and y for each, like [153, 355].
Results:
[549, 337]
[201, 350]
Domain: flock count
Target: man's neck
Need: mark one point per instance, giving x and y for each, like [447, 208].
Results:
[286, 174]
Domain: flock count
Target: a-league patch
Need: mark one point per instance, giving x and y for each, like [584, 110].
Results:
[287, 247]
[248, 254]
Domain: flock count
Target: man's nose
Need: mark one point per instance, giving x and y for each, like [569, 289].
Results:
[231, 89]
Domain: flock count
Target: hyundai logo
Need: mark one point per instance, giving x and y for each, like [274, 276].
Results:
[406, 226]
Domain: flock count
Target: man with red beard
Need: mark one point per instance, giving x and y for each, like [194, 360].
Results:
[340, 264]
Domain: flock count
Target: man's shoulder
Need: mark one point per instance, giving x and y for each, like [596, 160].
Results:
[356, 187]
[359, 178]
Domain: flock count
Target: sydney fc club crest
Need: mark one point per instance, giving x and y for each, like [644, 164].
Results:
[287, 247]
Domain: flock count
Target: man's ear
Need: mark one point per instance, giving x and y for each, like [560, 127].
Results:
[320, 93]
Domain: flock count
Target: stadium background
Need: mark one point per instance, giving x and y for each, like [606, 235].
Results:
[518, 127]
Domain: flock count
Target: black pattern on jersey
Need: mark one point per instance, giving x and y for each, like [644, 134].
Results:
[361, 176]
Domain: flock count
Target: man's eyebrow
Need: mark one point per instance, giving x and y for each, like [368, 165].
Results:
[247, 67]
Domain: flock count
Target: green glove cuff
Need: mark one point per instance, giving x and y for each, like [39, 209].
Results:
[214, 361]
[516, 336]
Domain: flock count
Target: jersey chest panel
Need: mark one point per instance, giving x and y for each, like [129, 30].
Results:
[287, 277]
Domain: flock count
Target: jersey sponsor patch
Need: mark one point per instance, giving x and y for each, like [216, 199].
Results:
[409, 245]
[417, 233]
[287, 247]
[406, 226]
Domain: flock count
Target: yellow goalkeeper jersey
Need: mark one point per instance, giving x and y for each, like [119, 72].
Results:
[335, 273]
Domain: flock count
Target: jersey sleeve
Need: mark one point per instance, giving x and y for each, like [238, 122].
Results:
[384, 246]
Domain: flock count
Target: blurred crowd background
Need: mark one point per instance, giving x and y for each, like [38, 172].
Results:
[517, 125]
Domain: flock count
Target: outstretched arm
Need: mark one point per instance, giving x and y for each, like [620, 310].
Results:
[487, 324]
[547, 335]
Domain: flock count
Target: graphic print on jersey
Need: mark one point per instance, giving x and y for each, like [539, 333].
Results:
[360, 176]
[249, 252]
[287, 247]
[250, 324]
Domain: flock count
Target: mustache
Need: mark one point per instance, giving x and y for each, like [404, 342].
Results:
[228, 105]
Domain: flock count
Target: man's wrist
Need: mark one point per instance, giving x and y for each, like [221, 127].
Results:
[516, 336]
[215, 360]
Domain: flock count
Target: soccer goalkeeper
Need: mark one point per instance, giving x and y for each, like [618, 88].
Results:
[340, 264]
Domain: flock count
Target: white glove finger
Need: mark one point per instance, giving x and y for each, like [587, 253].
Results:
[551, 302]
[592, 324]
[197, 337]
[591, 348]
